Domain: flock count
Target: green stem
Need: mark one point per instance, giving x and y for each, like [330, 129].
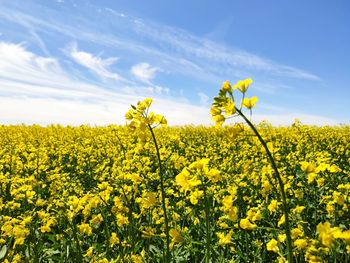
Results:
[280, 182]
[207, 222]
[75, 236]
[167, 255]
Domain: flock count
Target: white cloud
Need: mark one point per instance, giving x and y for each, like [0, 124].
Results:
[35, 89]
[96, 64]
[144, 72]
[178, 50]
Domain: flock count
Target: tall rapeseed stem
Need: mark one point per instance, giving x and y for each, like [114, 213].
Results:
[224, 106]
[141, 120]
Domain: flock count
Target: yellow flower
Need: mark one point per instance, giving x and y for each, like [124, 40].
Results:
[89, 252]
[96, 219]
[186, 181]
[327, 233]
[301, 243]
[282, 237]
[85, 229]
[215, 111]
[296, 232]
[176, 237]
[226, 87]
[218, 119]
[224, 239]
[214, 175]
[298, 209]
[272, 245]
[247, 225]
[230, 107]
[122, 220]
[136, 259]
[195, 196]
[243, 85]
[308, 167]
[273, 206]
[281, 221]
[249, 103]
[113, 240]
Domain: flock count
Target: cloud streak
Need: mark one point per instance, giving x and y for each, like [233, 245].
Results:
[94, 63]
[179, 50]
[144, 72]
[40, 89]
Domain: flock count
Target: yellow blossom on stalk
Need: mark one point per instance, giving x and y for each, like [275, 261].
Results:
[214, 111]
[85, 229]
[338, 198]
[89, 252]
[113, 240]
[224, 239]
[243, 85]
[96, 219]
[218, 119]
[230, 107]
[298, 209]
[281, 221]
[272, 207]
[311, 177]
[308, 167]
[20, 233]
[247, 225]
[301, 243]
[254, 214]
[345, 235]
[17, 259]
[226, 86]
[176, 237]
[147, 200]
[148, 232]
[272, 245]
[122, 220]
[327, 233]
[249, 103]
[214, 175]
[195, 196]
[186, 181]
[296, 232]
[282, 237]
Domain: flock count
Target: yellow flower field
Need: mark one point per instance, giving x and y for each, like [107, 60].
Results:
[92, 194]
[143, 193]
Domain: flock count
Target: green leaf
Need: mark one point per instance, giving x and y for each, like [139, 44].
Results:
[3, 251]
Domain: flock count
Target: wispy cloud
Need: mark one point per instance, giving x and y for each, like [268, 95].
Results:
[178, 50]
[94, 63]
[39, 89]
[35, 89]
[144, 72]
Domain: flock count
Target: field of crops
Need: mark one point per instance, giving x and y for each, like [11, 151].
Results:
[145, 192]
[93, 194]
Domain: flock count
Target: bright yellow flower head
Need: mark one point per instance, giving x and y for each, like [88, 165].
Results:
[327, 233]
[243, 85]
[249, 103]
[247, 225]
[226, 86]
[224, 239]
[272, 245]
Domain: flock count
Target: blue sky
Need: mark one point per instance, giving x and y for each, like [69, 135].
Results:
[85, 62]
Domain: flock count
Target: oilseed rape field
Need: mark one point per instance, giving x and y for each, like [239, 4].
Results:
[145, 192]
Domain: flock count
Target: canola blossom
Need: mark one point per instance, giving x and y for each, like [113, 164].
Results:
[110, 194]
